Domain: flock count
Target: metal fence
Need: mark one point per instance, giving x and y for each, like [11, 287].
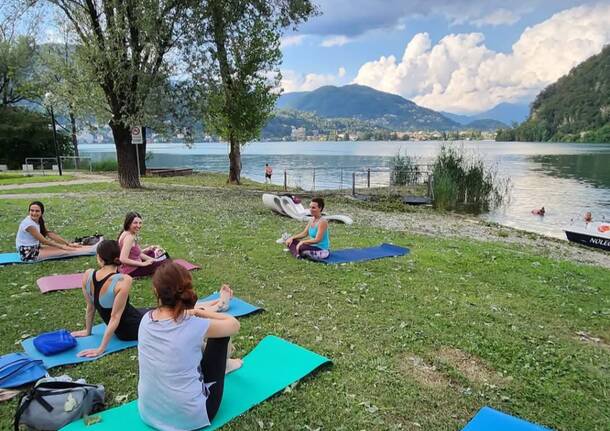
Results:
[48, 165]
[359, 180]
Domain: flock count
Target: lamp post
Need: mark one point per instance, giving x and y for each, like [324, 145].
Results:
[48, 101]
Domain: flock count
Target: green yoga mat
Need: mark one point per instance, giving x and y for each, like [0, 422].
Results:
[272, 365]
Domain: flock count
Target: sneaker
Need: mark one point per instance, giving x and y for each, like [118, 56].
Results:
[283, 238]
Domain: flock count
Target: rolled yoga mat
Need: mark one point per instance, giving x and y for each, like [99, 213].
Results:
[362, 254]
[82, 343]
[74, 281]
[14, 259]
[269, 368]
[488, 419]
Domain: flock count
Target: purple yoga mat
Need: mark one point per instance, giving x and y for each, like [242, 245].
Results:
[73, 281]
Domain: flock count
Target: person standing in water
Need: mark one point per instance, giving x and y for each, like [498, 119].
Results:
[268, 173]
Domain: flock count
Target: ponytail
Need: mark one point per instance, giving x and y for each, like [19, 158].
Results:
[173, 286]
[43, 229]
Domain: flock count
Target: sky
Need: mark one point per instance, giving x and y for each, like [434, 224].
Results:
[460, 56]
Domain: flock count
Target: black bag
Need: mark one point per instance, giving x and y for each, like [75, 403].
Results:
[55, 402]
[89, 240]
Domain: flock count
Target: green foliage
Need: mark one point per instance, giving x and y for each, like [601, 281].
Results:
[106, 165]
[462, 182]
[404, 170]
[16, 70]
[576, 108]
[24, 134]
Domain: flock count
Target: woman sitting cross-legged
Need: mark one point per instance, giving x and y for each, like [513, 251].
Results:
[107, 291]
[35, 242]
[317, 243]
[135, 261]
[181, 385]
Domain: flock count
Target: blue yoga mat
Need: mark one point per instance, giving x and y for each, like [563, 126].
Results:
[488, 419]
[69, 356]
[237, 307]
[362, 254]
[13, 258]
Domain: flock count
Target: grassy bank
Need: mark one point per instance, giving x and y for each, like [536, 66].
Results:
[11, 178]
[418, 343]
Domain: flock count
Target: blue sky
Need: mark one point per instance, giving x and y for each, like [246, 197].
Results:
[457, 47]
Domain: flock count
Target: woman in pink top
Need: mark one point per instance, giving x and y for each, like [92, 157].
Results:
[135, 261]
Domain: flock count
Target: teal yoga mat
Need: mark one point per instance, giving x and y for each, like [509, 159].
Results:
[272, 365]
[13, 258]
[69, 356]
[488, 419]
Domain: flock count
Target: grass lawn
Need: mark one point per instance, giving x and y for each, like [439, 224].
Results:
[69, 188]
[10, 178]
[418, 343]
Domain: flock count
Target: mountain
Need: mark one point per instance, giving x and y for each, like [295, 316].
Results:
[576, 108]
[367, 104]
[505, 113]
[485, 124]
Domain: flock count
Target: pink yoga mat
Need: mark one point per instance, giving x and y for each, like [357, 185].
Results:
[73, 281]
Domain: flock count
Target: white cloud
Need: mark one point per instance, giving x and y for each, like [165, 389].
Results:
[335, 41]
[460, 74]
[496, 18]
[292, 40]
[293, 81]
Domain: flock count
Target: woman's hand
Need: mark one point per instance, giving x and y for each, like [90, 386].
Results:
[81, 333]
[90, 353]
[289, 241]
[75, 245]
[148, 262]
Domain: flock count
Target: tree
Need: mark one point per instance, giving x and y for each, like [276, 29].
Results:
[236, 43]
[25, 133]
[124, 47]
[16, 69]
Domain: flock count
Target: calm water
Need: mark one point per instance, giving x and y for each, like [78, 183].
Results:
[567, 179]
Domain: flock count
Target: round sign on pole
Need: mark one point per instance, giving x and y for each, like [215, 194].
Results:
[136, 135]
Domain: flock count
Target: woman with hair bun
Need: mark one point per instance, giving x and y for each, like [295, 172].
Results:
[181, 382]
[107, 291]
[35, 242]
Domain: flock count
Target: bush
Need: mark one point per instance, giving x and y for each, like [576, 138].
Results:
[466, 183]
[25, 133]
[404, 170]
[106, 165]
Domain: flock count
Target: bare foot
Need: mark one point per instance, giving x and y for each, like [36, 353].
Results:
[233, 364]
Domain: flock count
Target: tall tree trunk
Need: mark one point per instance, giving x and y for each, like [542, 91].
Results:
[234, 162]
[126, 156]
[142, 153]
[74, 139]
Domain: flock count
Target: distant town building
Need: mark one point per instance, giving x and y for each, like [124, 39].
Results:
[298, 133]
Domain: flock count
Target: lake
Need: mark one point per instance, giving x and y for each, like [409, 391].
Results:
[567, 179]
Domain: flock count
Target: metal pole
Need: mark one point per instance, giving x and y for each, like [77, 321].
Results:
[353, 183]
[285, 181]
[368, 178]
[138, 160]
[55, 140]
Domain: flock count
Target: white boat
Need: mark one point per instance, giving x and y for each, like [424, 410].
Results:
[593, 234]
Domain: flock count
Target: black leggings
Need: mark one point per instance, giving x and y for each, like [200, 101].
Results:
[213, 366]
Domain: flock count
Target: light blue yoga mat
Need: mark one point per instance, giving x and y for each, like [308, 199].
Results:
[272, 365]
[13, 258]
[488, 419]
[82, 343]
[237, 307]
[362, 254]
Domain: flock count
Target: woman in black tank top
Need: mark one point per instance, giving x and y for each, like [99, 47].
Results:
[108, 292]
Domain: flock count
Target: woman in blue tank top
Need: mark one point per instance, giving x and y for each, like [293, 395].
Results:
[314, 241]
